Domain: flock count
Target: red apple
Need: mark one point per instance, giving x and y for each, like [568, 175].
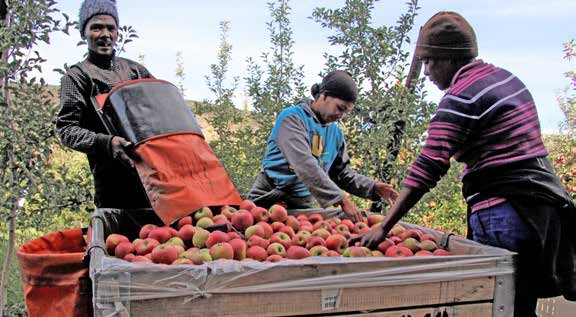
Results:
[337, 242]
[428, 236]
[165, 254]
[259, 214]
[356, 252]
[441, 252]
[274, 258]
[247, 205]
[268, 231]
[186, 233]
[342, 228]
[258, 241]
[398, 251]
[276, 248]
[308, 228]
[410, 233]
[239, 247]
[145, 230]
[175, 241]
[300, 239]
[113, 240]
[204, 222]
[204, 212]
[222, 250]
[281, 238]
[123, 248]
[220, 220]
[242, 219]
[255, 230]
[313, 218]
[228, 211]
[287, 230]
[216, 237]
[200, 237]
[321, 225]
[276, 226]
[318, 250]
[302, 217]
[384, 245]
[296, 252]
[395, 239]
[323, 233]
[233, 235]
[182, 261]
[257, 253]
[162, 234]
[140, 258]
[359, 226]
[278, 213]
[314, 241]
[397, 230]
[428, 245]
[187, 220]
[423, 253]
[330, 253]
[145, 246]
[188, 253]
[348, 223]
[374, 219]
[201, 256]
[293, 223]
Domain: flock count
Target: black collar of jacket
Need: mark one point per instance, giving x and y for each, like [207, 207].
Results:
[102, 61]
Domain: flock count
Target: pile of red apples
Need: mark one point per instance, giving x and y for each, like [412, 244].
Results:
[257, 234]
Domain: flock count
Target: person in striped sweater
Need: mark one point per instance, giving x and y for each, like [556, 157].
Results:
[487, 120]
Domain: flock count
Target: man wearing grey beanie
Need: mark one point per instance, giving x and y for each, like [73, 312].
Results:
[78, 125]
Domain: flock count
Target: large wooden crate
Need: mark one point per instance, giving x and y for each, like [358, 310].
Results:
[476, 281]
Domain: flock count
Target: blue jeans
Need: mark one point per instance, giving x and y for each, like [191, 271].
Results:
[502, 227]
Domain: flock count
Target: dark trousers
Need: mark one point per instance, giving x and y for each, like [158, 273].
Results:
[502, 227]
[264, 194]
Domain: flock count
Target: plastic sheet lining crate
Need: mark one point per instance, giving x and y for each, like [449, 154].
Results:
[476, 281]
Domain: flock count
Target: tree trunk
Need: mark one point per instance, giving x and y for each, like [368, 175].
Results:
[393, 146]
[8, 257]
[3, 58]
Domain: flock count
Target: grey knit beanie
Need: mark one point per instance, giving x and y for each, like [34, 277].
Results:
[91, 8]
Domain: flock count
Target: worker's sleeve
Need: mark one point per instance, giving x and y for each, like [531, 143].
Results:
[74, 109]
[350, 180]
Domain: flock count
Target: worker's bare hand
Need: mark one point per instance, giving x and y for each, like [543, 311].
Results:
[120, 148]
[386, 192]
[370, 239]
[350, 210]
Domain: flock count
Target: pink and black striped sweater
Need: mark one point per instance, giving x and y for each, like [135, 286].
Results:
[486, 118]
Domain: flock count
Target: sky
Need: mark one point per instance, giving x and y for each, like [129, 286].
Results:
[522, 36]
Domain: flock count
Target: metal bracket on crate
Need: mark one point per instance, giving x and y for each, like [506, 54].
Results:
[443, 243]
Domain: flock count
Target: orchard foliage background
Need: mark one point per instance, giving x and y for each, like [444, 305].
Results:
[45, 187]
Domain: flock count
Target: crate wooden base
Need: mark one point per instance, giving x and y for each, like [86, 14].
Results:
[465, 310]
[351, 300]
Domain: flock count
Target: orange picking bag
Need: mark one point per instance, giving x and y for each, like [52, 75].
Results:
[178, 170]
[55, 280]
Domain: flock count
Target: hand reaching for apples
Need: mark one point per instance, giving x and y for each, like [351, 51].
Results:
[350, 210]
[386, 192]
[370, 239]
